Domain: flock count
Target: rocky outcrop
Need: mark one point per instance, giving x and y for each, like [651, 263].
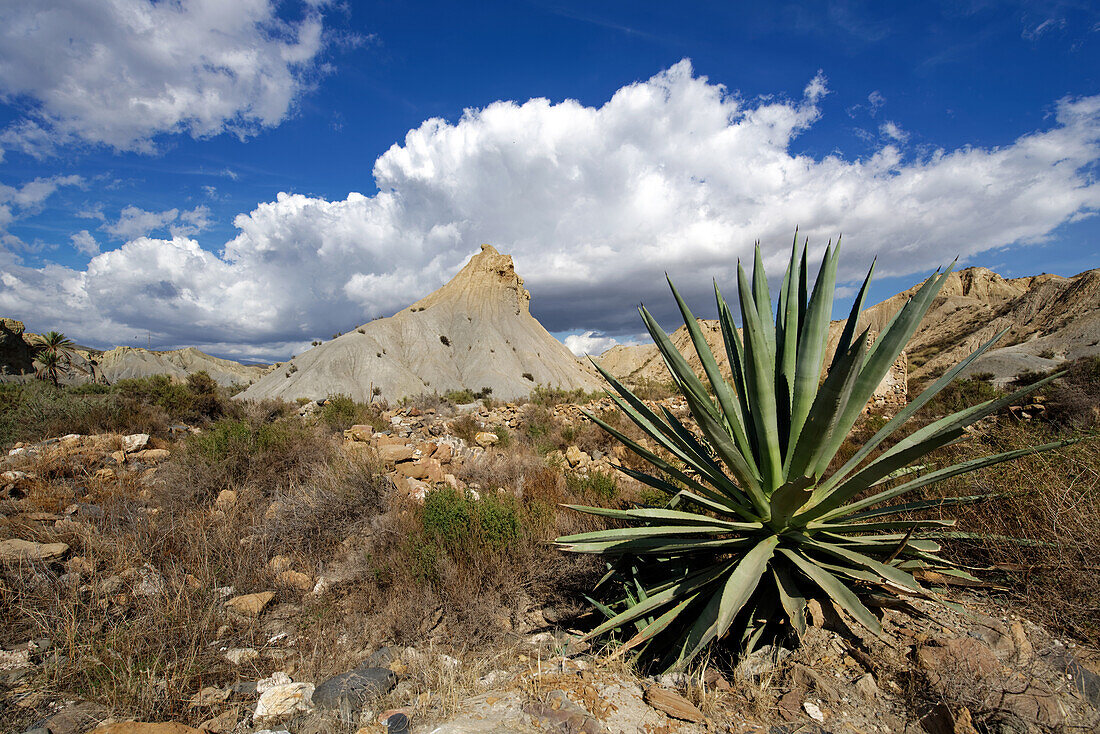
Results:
[1050, 320]
[643, 362]
[475, 332]
[123, 363]
[16, 355]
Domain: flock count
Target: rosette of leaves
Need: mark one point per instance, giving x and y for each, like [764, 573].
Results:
[757, 523]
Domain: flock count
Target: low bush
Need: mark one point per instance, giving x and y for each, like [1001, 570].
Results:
[340, 412]
[597, 486]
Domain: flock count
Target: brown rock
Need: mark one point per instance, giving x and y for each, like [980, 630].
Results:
[395, 453]
[251, 605]
[359, 433]
[222, 724]
[485, 439]
[227, 498]
[961, 658]
[295, 580]
[443, 453]
[15, 550]
[575, 456]
[152, 456]
[672, 704]
[427, 470]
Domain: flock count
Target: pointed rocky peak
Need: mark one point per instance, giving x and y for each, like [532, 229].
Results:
[488, 280]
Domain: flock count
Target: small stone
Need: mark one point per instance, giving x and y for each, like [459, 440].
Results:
[395, 454]
[104, 474]
[222, 724]
[138, 727]
[226, 499]
[134, 442]
[347, 692]
[251, 605]
[867, 687]
[359, 433]
[152, 456]
[485, 439]
[242, 655]
[575, 456]
[295, 580]
[283, 700]
[209, 696]
[673, 704]
[813, 711]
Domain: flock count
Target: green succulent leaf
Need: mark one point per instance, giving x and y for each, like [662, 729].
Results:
[750, 495]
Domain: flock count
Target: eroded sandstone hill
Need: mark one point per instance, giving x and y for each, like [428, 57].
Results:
[126, 362]
[474, 332]
[1050, 320]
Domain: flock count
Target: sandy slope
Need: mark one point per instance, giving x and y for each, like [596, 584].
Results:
[474, 332]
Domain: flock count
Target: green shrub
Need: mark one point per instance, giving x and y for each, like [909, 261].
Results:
[446, 517]
[459, 397]
[339, 412]
[599, 485]
[159, 390]
[498, 521]
[550, 396]
[462, 525]
[504, 437]
[237, 449]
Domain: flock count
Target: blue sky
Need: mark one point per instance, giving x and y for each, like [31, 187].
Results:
[247, 177]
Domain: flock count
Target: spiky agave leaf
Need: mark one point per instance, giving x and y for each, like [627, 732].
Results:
[756, 525]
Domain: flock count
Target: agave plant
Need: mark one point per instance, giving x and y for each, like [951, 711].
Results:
[756, 523]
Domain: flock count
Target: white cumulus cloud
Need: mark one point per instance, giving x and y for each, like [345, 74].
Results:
[674, 174]
[17, 202]
[135, 222]
[85, 243]
[119, 73]
[589, 342]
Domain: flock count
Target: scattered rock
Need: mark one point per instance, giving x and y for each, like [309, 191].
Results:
[134, 442]
[295, 580]
[226, 499]
[283, 700]
[485, 439]
[152, 456]
[813, 711]
[75, 718]
[673, 704]
[221, 724]
[15, 550]
[348, 692]
[575, 456]
[250, 605]
[242, 655]
[394, 454]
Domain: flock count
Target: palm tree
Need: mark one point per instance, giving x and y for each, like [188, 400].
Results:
[54, 354]
[55, 342]
[51, 365]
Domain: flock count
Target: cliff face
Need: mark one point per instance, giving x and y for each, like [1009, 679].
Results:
[474, 332]
[1050, 319]
[122, 363]
[16, 355]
